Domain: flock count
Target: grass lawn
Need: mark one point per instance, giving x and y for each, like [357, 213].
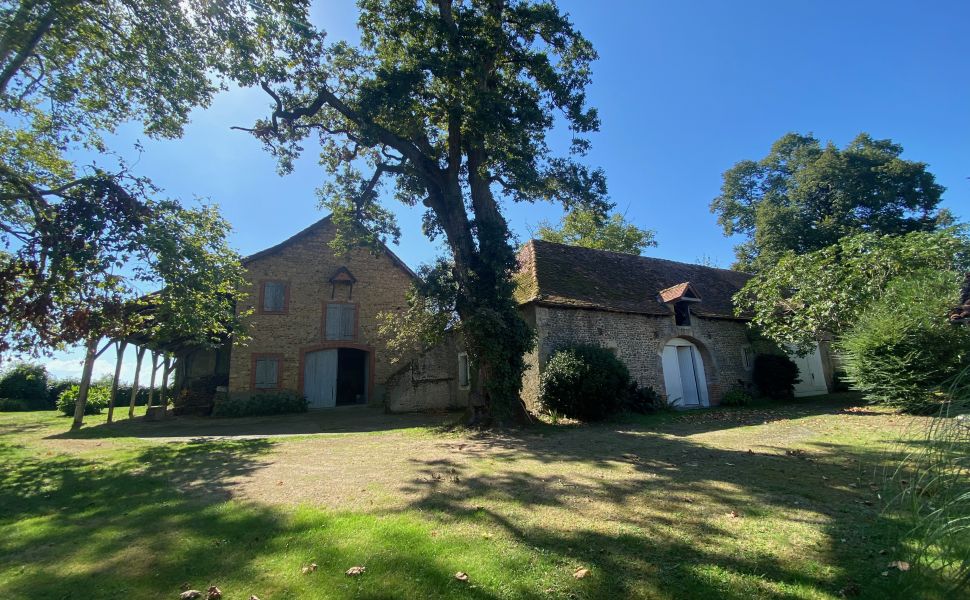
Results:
[764, 502]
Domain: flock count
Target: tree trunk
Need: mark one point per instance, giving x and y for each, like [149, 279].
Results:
[90, 355]
[151, 384]
[134, 384]
[114, 382]
[163, 393]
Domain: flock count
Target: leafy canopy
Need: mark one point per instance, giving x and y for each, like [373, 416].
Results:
[804, 196]
[452, 102]
[81, 239]
[806, 297]
[591, 229]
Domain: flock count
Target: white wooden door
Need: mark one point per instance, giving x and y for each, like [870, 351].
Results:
[683, 371]
[810, 373]
[320, 378]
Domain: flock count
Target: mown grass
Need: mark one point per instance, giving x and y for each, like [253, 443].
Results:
[764, 502]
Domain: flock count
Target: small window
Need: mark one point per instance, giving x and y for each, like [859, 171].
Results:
[267, 373]
[747, 357]
[464, 372]
[274, 297]
[341, 321]
[682, 314]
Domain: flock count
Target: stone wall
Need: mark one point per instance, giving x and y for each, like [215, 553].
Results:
[428, 382]
[638, 340]
[306, 265]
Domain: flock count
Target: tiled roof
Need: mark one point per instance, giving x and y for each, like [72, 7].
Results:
[676, 292]
[560, 275]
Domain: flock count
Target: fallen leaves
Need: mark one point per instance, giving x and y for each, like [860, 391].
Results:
[581, 573]
[307, 569]
[461, 576]
[902, 565]
[356, 570]
[190, 595]
[734, 514]
[213, 593]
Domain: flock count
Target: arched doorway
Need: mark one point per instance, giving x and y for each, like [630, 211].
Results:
[684, 378]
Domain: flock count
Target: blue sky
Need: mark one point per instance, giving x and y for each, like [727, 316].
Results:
[684, 90]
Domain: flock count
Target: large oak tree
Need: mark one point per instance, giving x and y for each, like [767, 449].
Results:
[805, 196]
[451, 101]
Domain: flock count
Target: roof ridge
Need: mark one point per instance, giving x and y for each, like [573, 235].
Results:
[628, 255]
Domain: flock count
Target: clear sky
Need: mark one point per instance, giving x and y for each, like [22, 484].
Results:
[684, 90]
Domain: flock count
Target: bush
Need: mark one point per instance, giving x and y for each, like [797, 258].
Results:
[56, 387]
[256, 405]
[903, 349]
[584, 382]
[27, 383]
[775, 375]
[643, 400]
[97, 400]
[736, 397]
[12, 405]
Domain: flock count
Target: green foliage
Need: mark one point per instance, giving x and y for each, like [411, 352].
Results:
[642, 400]
[12, 405]
[256, 405]
[453, 102]
[934, 480]
[775, 375]
[27, 383]
[591, 229]
[83, 239]
[736, 396]
[902, 349]
[430, 313]
[804, 197]
[97, 400]
[805, 297]
[584, 382]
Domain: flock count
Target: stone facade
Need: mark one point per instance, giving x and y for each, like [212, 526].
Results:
[305, 264]
[638, 340]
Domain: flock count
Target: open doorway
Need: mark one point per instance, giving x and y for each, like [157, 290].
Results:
[335, 377]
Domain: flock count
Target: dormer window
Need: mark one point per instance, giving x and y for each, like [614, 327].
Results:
[679, 298]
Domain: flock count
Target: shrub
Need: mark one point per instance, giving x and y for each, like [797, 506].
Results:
[56, 387]
[584, 382]
[27, 383]
[736, 397]
[775, 375]
[903, 349]
[97, 400]
[643, 400]
[255, 405]
[12, 405]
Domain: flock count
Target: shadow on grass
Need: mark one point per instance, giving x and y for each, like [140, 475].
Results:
[141, 527]
[351, 419]
[664, 542]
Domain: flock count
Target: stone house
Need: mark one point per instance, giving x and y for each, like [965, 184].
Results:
[673, 324]
[314, 331]
[314, 326]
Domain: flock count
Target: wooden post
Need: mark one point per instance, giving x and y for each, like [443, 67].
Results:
[114, 382]
[134, 384]
[163, 398]
[90, 355]
[151, 385]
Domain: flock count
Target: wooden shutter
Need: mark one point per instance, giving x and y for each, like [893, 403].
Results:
[267, 372]
[333, 322]
[274, 296]
[347, 321]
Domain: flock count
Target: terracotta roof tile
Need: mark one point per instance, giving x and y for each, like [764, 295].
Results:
[562, 275]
